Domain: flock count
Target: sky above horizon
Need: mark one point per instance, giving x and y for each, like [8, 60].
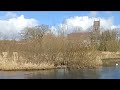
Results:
[15, 21]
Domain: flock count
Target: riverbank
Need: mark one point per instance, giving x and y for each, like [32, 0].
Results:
[14, 66]
[90, 60]
[110, 58]
[111, 62]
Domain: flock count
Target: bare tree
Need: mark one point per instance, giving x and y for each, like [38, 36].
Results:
[34, 33]
[109, 41]
[78, 29]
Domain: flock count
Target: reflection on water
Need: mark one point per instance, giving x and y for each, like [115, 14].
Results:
[101, 73]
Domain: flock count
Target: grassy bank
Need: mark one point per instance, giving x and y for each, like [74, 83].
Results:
[40, 50]
[111, 61]
[70, 61]
[67, 60]
[49, 53]
[11, 66]
[52, 52]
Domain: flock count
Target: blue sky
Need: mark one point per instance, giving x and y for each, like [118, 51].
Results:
[15, 21]
[56, 17]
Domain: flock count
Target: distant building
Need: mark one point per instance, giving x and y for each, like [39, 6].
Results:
[78, 36]
[96, 27]
[95, 36]
[87, 37]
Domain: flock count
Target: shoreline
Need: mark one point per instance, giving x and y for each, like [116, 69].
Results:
[104, 58]
[34, 69]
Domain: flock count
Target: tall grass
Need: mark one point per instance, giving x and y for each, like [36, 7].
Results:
[48, 52]
[41, 50]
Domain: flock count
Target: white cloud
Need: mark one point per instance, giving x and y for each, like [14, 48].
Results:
[54, 30]
[85, 22]
[14, 24]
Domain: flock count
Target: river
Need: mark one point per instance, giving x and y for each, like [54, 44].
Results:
[112, 72]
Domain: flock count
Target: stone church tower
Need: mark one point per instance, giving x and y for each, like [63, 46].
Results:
[96, 27]
[96, 32]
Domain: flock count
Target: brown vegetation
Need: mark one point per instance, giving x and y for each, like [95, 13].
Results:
[39, 49]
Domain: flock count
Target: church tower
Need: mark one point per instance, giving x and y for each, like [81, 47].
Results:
[96, 27]
[96, 32]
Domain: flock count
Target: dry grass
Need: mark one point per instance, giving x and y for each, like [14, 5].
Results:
[8, 63]
[50, 52]
[46, 51]
[85, 61]
[12, 65]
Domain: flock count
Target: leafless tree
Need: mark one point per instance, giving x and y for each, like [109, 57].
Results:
[34, 33]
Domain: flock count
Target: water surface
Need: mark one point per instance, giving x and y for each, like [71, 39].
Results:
[112, 72]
